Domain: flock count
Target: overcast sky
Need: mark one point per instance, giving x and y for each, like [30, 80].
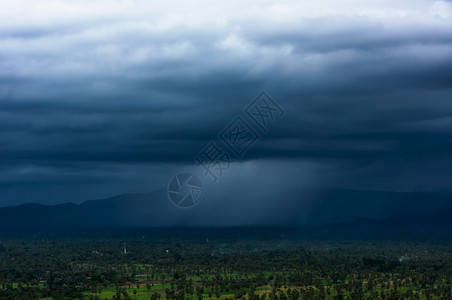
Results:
[105, 97]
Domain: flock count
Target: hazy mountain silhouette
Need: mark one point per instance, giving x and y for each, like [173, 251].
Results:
[430, 226]
[325, 211]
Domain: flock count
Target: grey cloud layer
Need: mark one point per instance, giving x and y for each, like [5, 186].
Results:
[365, 86]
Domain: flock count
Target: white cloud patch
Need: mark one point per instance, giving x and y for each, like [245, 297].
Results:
[94, 39]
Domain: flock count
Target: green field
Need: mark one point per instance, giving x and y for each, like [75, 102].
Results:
[245, 268]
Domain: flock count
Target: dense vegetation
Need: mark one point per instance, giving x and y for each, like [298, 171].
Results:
[215, 267]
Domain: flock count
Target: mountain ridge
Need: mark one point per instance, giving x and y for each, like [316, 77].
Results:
[327, 210]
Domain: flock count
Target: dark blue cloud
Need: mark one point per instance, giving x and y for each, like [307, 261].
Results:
[366, 95]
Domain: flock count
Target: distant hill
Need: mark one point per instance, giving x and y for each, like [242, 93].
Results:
[120, 211]
[320, 211]
[430, 226]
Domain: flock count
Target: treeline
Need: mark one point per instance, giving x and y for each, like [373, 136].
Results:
[251, 269]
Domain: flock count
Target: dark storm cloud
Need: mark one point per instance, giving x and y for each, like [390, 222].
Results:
[365, 89]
